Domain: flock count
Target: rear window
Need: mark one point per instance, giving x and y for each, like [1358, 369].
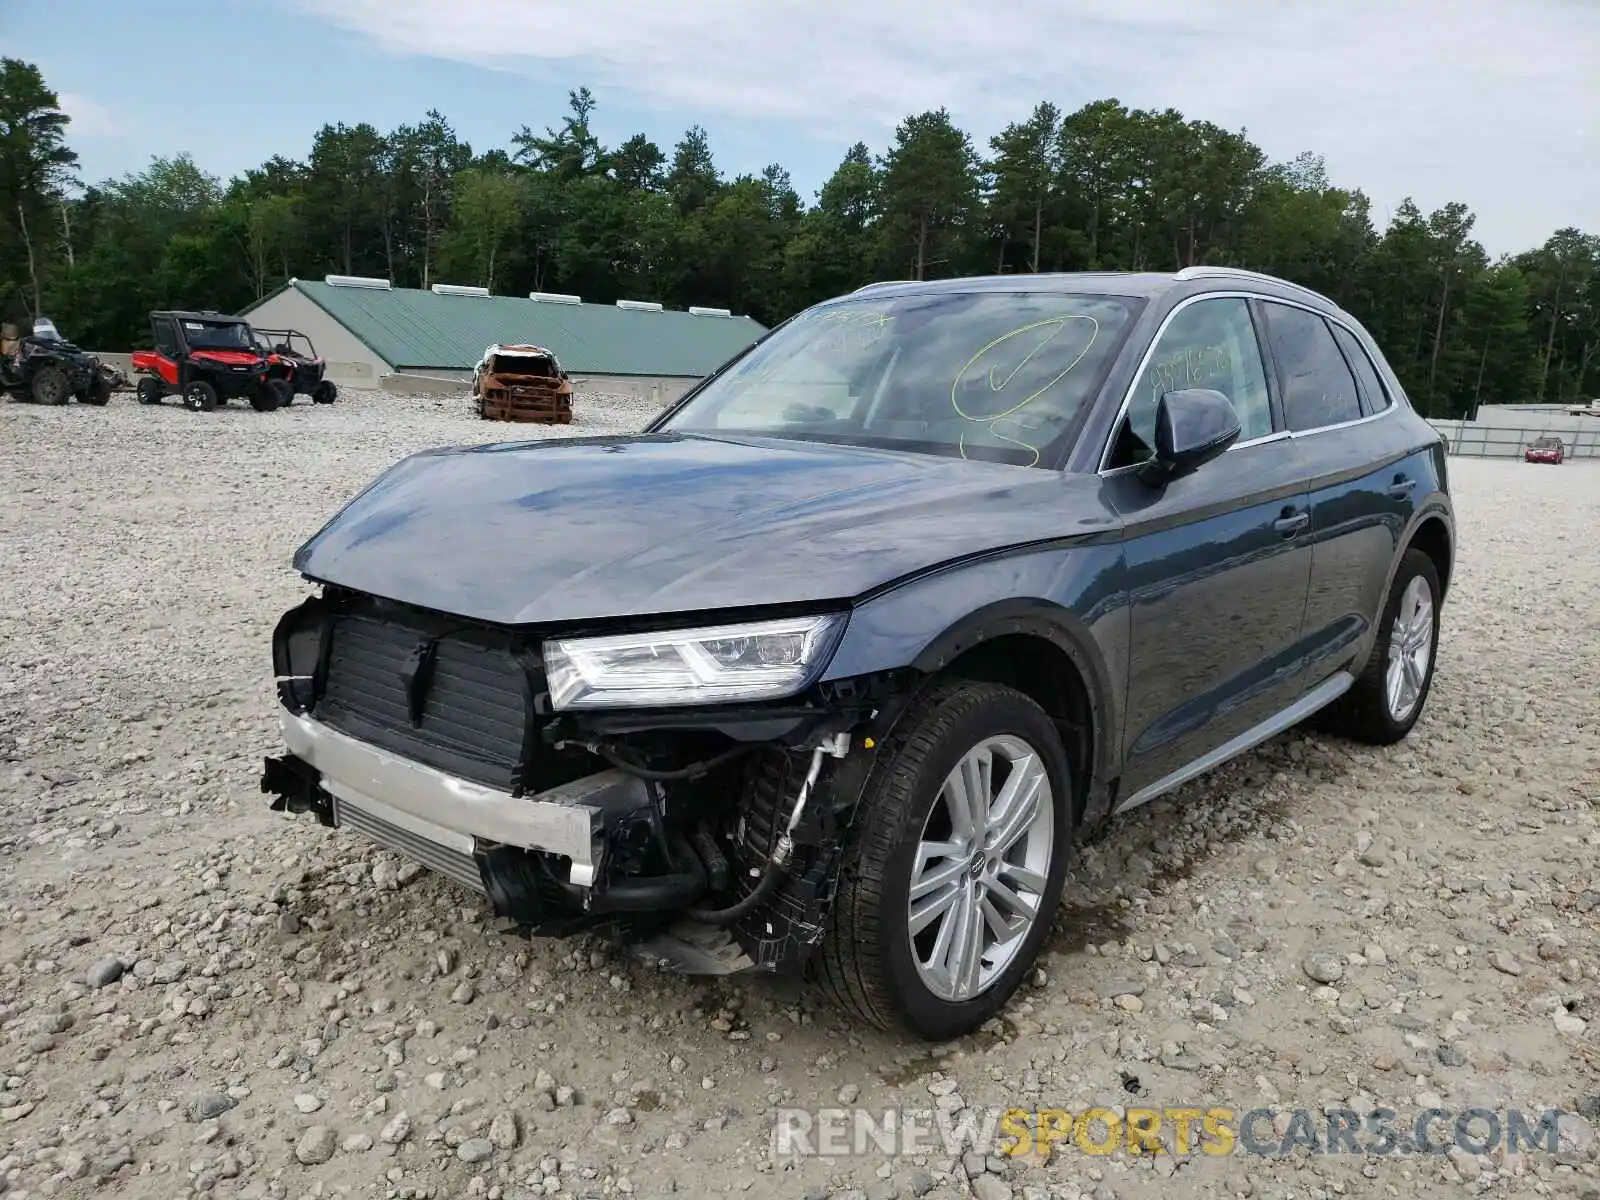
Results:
[999, 376]
[1374, 396]
[1318, 388]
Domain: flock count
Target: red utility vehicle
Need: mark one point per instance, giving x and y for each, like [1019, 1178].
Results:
[207, 358]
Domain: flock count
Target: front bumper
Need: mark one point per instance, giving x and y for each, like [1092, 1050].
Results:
[392, 799]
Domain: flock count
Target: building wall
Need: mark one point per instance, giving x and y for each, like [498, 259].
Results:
[663, 389]
[351, 363]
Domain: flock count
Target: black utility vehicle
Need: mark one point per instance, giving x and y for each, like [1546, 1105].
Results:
[292, 358]
[837, 660]
[45, 368]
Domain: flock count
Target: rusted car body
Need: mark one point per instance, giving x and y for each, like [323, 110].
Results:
[522, 383]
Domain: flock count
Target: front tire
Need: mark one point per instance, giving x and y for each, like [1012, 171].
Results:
[98, 393]
[1387, 700]
[955, 863]
[327, 392]
[50, 386]
[199, 396]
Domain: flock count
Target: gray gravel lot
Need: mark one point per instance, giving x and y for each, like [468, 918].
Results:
[198, 997]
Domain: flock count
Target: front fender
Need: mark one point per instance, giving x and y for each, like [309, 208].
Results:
[1074, 597]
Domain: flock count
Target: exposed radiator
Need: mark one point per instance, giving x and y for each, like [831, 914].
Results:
[447, 861]
[474, 719]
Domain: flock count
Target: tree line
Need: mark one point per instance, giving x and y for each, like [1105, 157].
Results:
[1106, 187]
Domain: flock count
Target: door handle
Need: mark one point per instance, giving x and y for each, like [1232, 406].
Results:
[1292, 521]
[1401, 486]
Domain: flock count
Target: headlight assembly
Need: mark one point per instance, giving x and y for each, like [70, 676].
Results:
[765, 660]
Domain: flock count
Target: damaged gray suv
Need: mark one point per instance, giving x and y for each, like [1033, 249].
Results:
[833, 664]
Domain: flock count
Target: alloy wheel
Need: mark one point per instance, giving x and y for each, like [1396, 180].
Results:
[1410, 649]
[981, 868]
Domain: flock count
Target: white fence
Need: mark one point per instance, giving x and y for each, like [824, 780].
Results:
[1472, 440]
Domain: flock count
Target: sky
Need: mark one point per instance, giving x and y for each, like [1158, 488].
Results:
[1495, 103]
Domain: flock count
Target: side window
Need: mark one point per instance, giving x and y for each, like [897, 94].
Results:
[1318, 388]
[1209, 344]
[1374, 396]
[165, 338]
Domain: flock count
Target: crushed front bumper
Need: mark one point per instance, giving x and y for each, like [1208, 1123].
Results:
[568, 858]
[444, 822]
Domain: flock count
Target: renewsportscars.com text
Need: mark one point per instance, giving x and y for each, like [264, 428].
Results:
[1266, 1132]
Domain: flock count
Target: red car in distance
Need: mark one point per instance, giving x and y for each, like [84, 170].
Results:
[1544, 450]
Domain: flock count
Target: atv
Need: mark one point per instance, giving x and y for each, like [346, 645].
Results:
[47, 369]
[207, 358]
[292, 358]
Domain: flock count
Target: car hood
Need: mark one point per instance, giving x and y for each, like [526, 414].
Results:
[228, 358]
[594, 528]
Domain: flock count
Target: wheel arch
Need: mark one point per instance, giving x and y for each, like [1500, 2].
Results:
[1033, 646]
[1434, 536]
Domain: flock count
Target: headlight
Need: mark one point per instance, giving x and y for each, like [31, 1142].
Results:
[761, 661]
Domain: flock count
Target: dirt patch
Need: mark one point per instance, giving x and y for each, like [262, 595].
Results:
[278, 1011]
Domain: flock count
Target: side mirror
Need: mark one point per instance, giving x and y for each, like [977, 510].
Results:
[1193, 426]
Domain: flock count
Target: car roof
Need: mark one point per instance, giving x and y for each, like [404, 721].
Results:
[1145, 285]
[214, 317]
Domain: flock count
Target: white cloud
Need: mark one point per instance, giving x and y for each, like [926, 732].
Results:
[90, 118]
[1488, 101]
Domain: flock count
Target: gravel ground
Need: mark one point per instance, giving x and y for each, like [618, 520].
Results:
[199, 997]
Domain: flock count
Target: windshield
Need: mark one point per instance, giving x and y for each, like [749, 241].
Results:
[283, 341]
[1000, 376]
[217, 335]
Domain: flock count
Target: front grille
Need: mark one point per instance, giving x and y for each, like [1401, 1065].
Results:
[476, 706]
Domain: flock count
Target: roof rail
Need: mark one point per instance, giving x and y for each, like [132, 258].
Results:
[458, 289]
[357, 281]
[701, 311]
[641, 305]
[1211, 272]
[882, 283]
[555, 297]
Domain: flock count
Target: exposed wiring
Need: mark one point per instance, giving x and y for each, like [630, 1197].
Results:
[838, 746]
[692, 771]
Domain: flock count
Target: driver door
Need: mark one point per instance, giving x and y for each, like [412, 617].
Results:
[164, 336]
[1218, 562]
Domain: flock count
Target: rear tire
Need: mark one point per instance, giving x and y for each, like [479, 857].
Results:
[150, 390]
[1387, 700]
[871, 964]
[50, 386]
[327, 392]
[199, 396]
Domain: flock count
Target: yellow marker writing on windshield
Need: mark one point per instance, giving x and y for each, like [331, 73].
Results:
[1056, 324]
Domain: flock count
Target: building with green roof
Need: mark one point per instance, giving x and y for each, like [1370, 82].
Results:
[367, 329]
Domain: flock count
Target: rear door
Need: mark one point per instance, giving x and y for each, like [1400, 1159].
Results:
[1362, 486]
[1217, 562]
